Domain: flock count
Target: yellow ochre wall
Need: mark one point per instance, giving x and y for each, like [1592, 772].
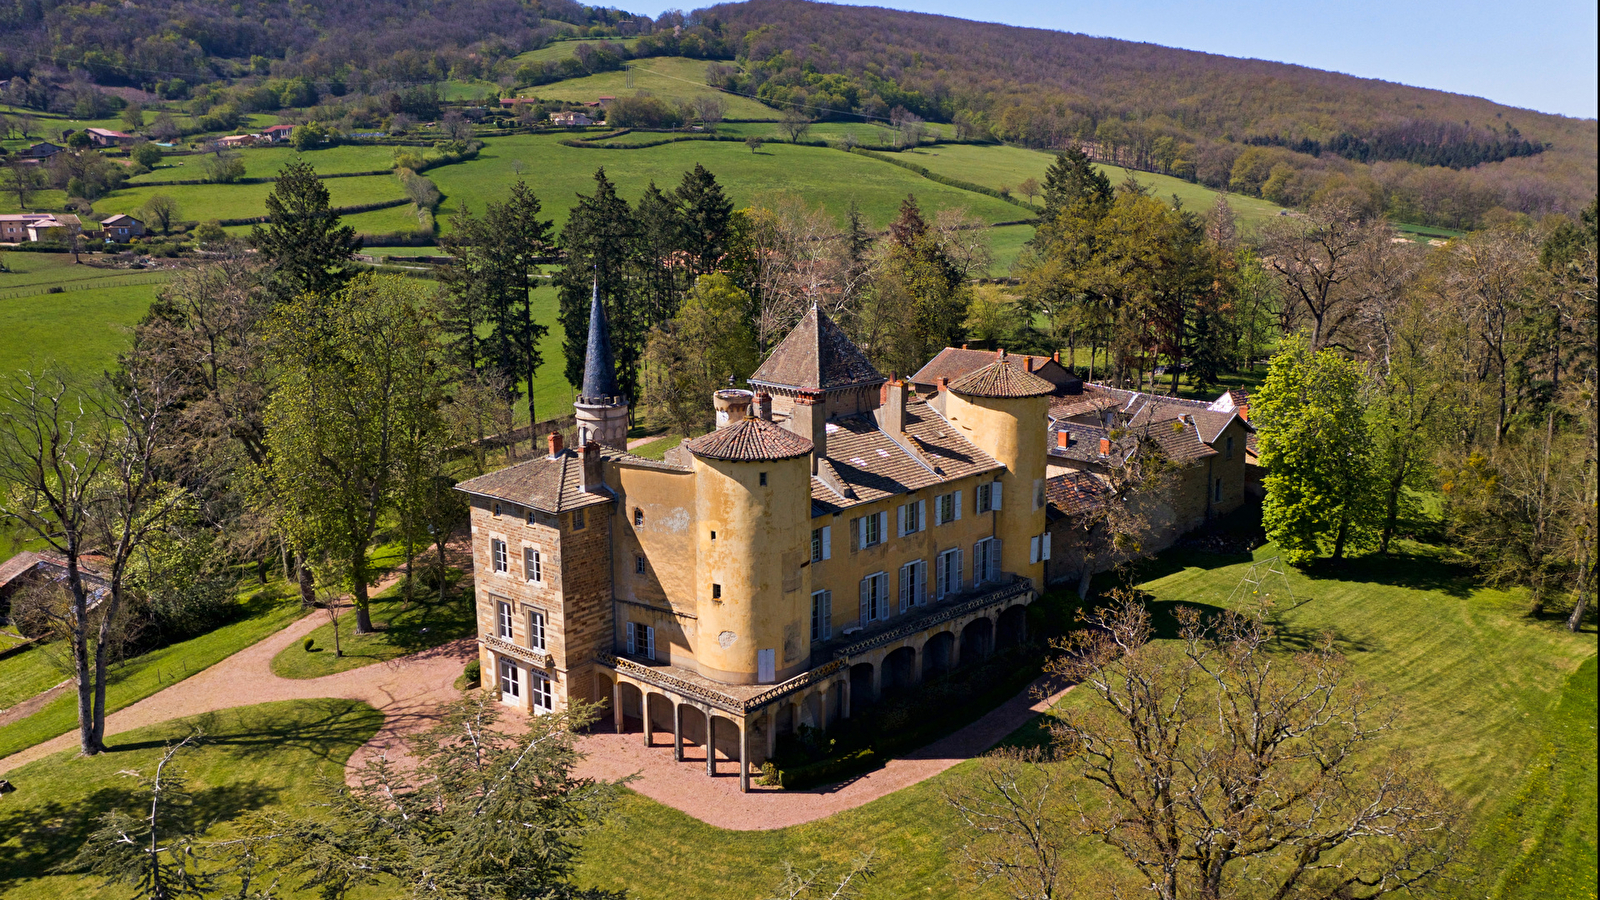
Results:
[762, 542]
[1013, 431]
[663, 532]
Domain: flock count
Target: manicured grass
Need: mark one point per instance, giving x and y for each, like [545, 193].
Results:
[268, 757]
[31, 671]
[202, 202]
[81, 331]
[1483, 691]
[675, 79]
[999, 166]
[402, 630]
[266, 162]
[820, 175]
[263, 613]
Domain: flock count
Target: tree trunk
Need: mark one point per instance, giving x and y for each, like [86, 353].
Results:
[1575, 620]
[80, 671]
[1391, 511]
[1083, 583]
[358, 591]
[308, 588]
[442, 565]
[1339, 539]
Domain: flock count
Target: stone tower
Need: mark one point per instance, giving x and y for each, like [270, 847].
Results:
[600, 410]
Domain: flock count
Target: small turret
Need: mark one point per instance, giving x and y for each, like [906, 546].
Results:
[601, 411]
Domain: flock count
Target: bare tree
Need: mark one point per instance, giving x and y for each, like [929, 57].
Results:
[1014, 803]
[800, 260]
[1319, 259]
[455, 126]
[81, 465]
[709, 109]
[821, 884]
[161, 211]
[400, 123]
[1218, 765]
[795, 124]
[21, 180]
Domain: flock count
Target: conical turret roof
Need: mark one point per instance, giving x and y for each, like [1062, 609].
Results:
[599, 368]
[816, 356]
[1001, 379]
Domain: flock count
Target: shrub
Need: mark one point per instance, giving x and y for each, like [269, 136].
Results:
[56, 289]
[473, 673]
[310, 644]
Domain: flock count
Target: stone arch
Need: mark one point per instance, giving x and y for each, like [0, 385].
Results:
[862, 694]
[694, 725]
[632, 706]
[977, 639]
[658, 709]
[1011, 629]
[938, 654]
[899, 671]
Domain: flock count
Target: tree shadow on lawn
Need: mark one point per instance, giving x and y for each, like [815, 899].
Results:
[427, 622]
[328, 732]
[1417, 571]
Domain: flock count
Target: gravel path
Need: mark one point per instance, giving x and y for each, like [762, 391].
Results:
[717, 801]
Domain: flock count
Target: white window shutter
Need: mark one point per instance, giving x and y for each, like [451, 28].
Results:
[883, 525]
[922, 514]
[905, 587]
[938, 576]
[922, 582]
[994, 495]
[958, 506]
[632, 639]
[649, 642]
[866, 611]
[1046, 553]
[1033, 550]
[956, 588]
[827, 542]
[901, 512]
[994, 559]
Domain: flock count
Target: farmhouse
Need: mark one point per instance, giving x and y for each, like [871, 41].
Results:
[836, 536]
[32, 571]
[121, 227]
[570, 119]
[277, 134]
[105, 137]
[19, 228]
[41, 150]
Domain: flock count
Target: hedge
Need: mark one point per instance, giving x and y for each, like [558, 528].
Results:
[942, 179]
[261, 180]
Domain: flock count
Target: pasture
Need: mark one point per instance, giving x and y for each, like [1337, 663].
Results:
[203, 202]
[675, 79]
[82, 329]
[267, 162]
[555, 51]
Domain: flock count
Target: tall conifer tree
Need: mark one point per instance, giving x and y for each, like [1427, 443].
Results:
[601, 240]
[307, 248]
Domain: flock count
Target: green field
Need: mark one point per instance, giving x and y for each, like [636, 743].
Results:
[998, 166]
[1007, 241]
[675, 79]
[401, 630]
[202, 202]
[80, 330]
[30, 672]
[266, 162]
[556, 51]
[269, 757]
[1501, 706]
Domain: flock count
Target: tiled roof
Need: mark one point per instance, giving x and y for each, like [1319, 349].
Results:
[816, 356]
[749, 440]
[18, 564]
[1001, 379]
[1074, 493]
[551, 484]
[1089, 404]
[1083, 444]
[954, 363]
[871, 464]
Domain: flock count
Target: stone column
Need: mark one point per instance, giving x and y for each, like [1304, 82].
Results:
[844, 699]
[916, 664]
[711, 744]
[677, 731]
[772, 730]
[644, 713]
[616, 703]
[822, 707]
[877, 679]
[744, 768]
[955, 648]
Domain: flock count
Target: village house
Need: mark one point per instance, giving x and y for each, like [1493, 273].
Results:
[277, 134]
[570, 119]
[40, 151]
[836, 537]
[29, 570]
[238, 140]
[105, 137]
[122, 227]
[19, 228]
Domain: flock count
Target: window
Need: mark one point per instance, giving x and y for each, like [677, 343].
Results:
[985, 560]
[947, 573]
[497, 509]
[911, 516]
[503, 620]
[641, 641]
[532, 564]
[1230, 447]
[822, 543]
[713, 535]
[913, 584]
[529, 515]
[535, 629]
[510, 680]
[870, 529]
[989, 497]
[821, 616]
[539, 692]
[716, 592]
[638, 565]
[497, 550]
[578, 520]
[1219, 489]
[763, 479]
[945, 509]
[874, 590]
[1039, 548]
[638, 516]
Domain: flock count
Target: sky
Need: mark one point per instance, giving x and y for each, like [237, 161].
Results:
[1539, 56]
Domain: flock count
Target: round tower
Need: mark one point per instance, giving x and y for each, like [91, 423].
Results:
[1005, 412]
[600, 412]
[753, 509]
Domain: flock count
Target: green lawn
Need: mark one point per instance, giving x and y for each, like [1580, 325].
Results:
[1501, 706]
[999, 166]
[402, 630]
[1007, 242]
[266, 162]
[675, 79]
[29, 672]
[268, 757]
[265, 612]
[80, 330]
[819, 175]
[203, 202]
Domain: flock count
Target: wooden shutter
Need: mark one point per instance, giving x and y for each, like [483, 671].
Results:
[905, 587]
[901, 512]
[958, 506]
[940, 562]
[994, 495]
[922, 514]
[827, 542]
[1046, 553]
[649, 642]
[994, 559]
[1033, 550]
[857, 533]
[883, 526]
[632, 639]
[866, 611]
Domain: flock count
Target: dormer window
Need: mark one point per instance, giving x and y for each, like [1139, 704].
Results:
[497, 509]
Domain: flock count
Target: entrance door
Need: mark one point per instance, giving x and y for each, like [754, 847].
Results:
[766, 666]
[510, 683]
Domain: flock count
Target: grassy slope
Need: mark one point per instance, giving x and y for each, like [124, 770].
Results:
[29, 672]
[263, 757]
[81, 331]
[236, 201]
[674, 79]
[1477, 681]
[264, 613]
[556, 51]
[265, 162]
[426, 623]
[1006, 166]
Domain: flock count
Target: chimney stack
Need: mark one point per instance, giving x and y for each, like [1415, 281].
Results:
[555, 444]
[1000, 354]
[589, 468]
[1063, 439]
[1105, 446]
[944, 384]
[810, 420]
[1028, 363]
[763, 406]
[1057, 356]
[892, 413]
[963, 346]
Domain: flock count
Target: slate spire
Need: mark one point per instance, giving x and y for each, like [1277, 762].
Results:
[599, 369]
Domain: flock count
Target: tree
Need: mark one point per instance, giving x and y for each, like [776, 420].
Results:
[1072, 179]
[304, 243]
[709, 109]
[795, 123]
[207, 233]
[351, 374]
[21, 180]
[824, 883]
[133, 117]
[1029, 188]
[704, 218]
[146, 154]
[1321, 485]
[309, 136]
[1218, 766]
[161, 211]
[222, 166]
[1013, 805]
[487, 811]
[601, 240]
[1319, 259]
[919, 298]
[455, 126]
[708, 342]
[82, 466]
[754, 143]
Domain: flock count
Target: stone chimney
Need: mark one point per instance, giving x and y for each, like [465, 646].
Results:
[1000, 354]
[892, 413]
[555, 444]
[1105, 446]
[589, 468]
[1063, 439]
[763, 406]
[944, 384]
[1028, 363]
[1056, 356]
[810, 420]
[732, 406]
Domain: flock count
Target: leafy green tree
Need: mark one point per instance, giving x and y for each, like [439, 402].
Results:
[709, 341]
[919, 299]
[601, 240]
[354, 376]
[306, 247]
[146, 154]
[310, 136]
[1321, 485]
[488, 811]
[1411, 404]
